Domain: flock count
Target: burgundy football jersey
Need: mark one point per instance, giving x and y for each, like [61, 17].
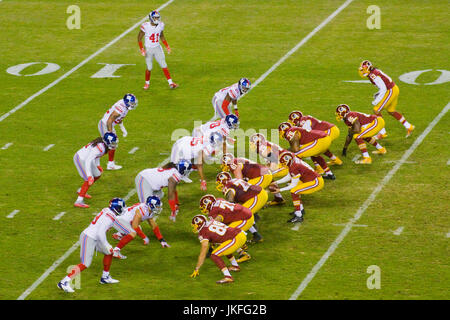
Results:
[229, 211]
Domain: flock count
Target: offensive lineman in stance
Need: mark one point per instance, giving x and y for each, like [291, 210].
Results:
[386, 97]
[153, 32]
[228, 239]
[93, 238]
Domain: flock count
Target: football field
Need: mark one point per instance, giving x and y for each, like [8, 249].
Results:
[378, 231]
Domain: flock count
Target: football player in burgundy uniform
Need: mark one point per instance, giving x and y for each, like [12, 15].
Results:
[152, 32]
[306, 143]
[303, 180]
[310, 123]
[363, 128]
[386, 97]
[229, 239]
[242, 192]
[232, 214]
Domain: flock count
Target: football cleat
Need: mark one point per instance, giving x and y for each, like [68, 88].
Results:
[243, 257]
[173, 85]
[410, 130]
[80, 205]
[319, 170]
[65, 286]
[113, 166]
[146, 86]
[117, 254]
[117, 236]
[107, 280]
[257, 217]
[276, 202]
[329, 176]
[173, 216]
[381, 136]
[336, 161]
[295, 219]
[234, 268]
[227, 279]
[256, 238]
[364, 160]
[380, 151]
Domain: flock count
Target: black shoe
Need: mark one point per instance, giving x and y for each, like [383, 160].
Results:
[257, 217]
[296, 219]
[256, 238]
[329, 176]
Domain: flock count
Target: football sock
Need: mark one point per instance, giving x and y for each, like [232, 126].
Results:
[362, 147]
[111, 155]
[253, 230]
[167, 74]
[83, 191]
[278, 195]
[147, 76]
[105, 274]
[226, 273]
[75, 270]
[321, 161]
[296, 201]
[401, 119]
[107, 259]
[233, 261]
[330, 155]
[298, 213]
[122, 243]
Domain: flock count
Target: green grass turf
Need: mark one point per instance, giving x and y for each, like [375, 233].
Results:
[214, 44]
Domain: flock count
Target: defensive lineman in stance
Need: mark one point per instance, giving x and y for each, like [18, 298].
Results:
[113, 116]
[224, 98]
[153, 32]
[93, 238]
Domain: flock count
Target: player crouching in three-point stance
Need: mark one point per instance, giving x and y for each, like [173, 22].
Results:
[303, 180]
[311, 123]
[363, 128]
[232, 214]
[386, 97]
[307, 143]
[87, 162]
[93, 238]
[113, 116]
[132, 218]
[153, 32]
[242, 192]
[229, 240]
[224, 98]
[150, 182]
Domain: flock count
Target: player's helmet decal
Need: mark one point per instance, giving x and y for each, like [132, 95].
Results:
[228, 162]
[117, 205]
[221, 179]
[198, 222]
[283, 127]
[232, 121]
[341, 111]
[154, 204]
[215, 138]
[130, 101]
[364, 68]
[294, 117]
[184, 167]
[244, 85]
[154, 17]
[206, 203]
[286, 158]
[111, 140]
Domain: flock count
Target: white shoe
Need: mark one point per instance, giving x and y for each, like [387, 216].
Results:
[65, 286]
[108, 279]
[113, 166]
[118, 255]
[173, 217]
[186, 179]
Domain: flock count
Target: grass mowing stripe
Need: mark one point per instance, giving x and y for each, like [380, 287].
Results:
[78, 66]
[259, 80]
[366, 204]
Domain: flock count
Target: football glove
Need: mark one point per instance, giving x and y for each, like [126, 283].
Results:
[124, 131]
[195, 273]
[203, 185]
[143, 51]
[146, 240]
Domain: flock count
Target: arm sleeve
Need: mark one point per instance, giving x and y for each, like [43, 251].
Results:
[381, 90]
[284, 179]
[293, 183]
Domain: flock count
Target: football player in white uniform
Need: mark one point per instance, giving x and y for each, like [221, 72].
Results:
[114, 116]
[222, 126]
[132, 218]
[229, 95]
[195, 150]
[150, 182]
[87, 162]
[152, 31]
[93, 238]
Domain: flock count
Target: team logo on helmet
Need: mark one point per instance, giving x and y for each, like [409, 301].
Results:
[184, 167]
[111, 140]
[130, 101]
[283, 127]
[364, 68]
[228, 162]
[117, 205]
[154, 17]
[198, 222]
[286, 158]
[154, 204]
[294, 117]
[206, 203]
[215, 138]
[244, 85]
[221, 180]
[341, 111]
[232, 121]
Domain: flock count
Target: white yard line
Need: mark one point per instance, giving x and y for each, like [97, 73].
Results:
[59, 215]
[132, 151]
[398, 231]
[296, 227]
[259, 80]
[48, 147]
[357, 81]
[448, 162]
[356, 157]
[355, 225]
[6, 146]
[12, 214]
[448, 235]
[366, 204]
[78, 66]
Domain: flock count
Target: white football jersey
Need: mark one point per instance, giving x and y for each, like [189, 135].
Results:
[120, 108]
[138, 208]
[158, 178]
[90, 152]
[232, 90]
[219, 126]
[192, 146]
[152, 33]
